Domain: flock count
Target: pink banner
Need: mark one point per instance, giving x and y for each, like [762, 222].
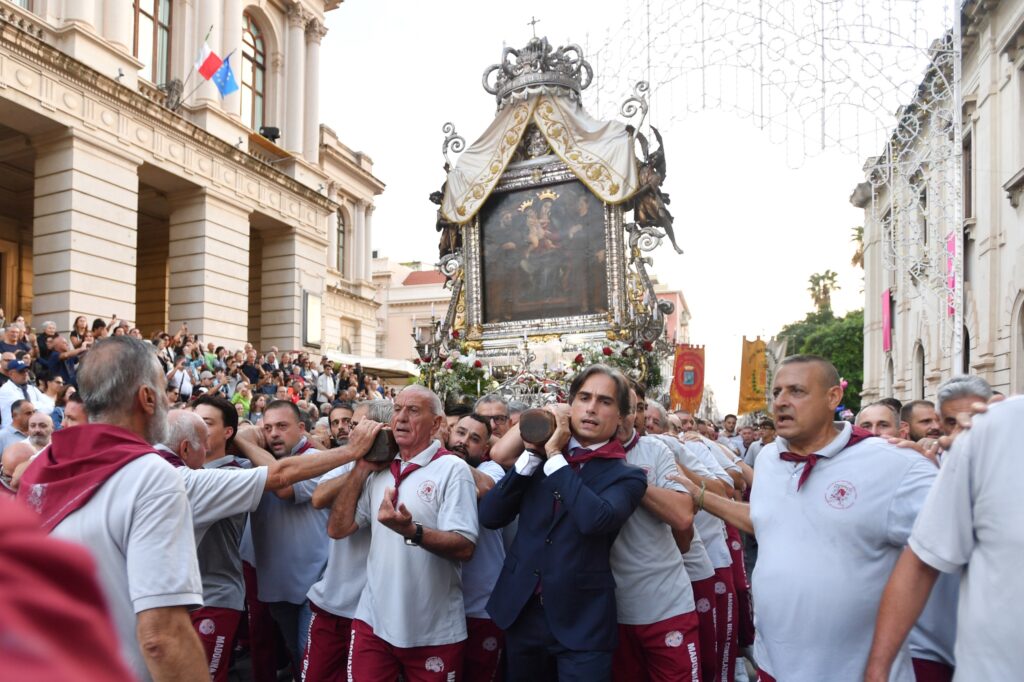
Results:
[951, 273]
[887, 320]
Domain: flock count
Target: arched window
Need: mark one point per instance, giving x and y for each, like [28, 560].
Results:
[341, 243]
[919, 372]
[1019, 361]
[152, 44]
[254, 73]
[966, 354]
[889, 378]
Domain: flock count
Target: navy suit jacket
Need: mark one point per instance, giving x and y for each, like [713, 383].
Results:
[565, 550]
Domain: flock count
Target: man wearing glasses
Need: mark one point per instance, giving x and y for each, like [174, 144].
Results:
[494, 409]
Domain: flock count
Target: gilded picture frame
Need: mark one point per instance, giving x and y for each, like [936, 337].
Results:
[544, 257]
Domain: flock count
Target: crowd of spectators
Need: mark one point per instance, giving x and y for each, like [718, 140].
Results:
[40, 365]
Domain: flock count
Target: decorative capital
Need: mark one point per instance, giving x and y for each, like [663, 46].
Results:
[298, 16]
[315, 31]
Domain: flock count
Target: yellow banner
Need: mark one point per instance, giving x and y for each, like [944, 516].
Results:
[753, 377]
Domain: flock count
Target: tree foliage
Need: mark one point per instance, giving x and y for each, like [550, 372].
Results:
[839, 339]
[822, 284]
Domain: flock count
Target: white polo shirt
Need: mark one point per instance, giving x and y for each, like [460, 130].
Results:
[480, 573]
[414, 597]
[972, 525]
[290, 543]
[344, 578]
[826, 552]
[138, 528]
[651, 581]
[696, 559]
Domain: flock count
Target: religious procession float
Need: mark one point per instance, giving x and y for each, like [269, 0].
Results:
[546, 223]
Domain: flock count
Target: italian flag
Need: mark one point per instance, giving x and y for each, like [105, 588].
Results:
[208, 62]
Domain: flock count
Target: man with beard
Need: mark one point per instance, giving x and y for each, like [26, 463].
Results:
[40, 429]
[340, 421]
[421, 511]
[333, 600]
[289, 543]
[818, 481]
[555, 596]
[470, 440]
[103, 486]
[922, 421]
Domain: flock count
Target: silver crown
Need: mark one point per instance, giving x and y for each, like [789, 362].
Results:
[538, 68]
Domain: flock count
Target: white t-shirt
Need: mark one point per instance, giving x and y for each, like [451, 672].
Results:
[696, 559]
[651, 582]
[216, 494]
[290, 543]
[826, 552]
[344, 579]
[414, 597]
[972, 525]
[480, 573]
[138, 528]
[698, 458]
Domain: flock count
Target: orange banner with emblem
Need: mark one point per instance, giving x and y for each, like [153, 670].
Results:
[687, 389]
[753, 377]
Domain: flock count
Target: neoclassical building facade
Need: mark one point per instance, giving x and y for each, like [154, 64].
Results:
[128, 185]
[909, 328]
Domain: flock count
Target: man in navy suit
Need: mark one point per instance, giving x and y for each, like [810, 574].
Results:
[555, 597]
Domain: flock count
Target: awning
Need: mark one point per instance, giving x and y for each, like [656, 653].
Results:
[385, 368]
[599, 153]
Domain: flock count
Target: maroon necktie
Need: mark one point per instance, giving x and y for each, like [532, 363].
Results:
[396, 471]
[808, 460]
[857, 434]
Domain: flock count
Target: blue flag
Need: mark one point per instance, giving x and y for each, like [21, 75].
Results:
[224, 78]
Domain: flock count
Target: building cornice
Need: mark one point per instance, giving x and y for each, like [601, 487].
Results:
[26, 44]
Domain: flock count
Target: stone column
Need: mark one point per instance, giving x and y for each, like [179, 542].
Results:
[295, 78]
[208, 258]
[84, 229]
[209, 13]
[358, 249]
[231, 44]
[368, 247]
[315, 32]
[118, 24]
[81, 12]
[332, 231]
[291, 263]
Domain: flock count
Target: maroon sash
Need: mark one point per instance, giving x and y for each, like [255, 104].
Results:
[69, 471]
[857, 435]
[580, 456]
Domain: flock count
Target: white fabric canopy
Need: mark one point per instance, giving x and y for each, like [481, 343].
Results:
[385, 367]
[599, 153]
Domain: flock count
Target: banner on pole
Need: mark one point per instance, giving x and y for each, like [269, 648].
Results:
[753, 377]
[687, 389]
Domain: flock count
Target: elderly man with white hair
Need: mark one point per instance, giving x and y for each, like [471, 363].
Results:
[421, 510]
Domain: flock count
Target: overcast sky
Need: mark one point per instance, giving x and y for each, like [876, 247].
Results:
[754, 218]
